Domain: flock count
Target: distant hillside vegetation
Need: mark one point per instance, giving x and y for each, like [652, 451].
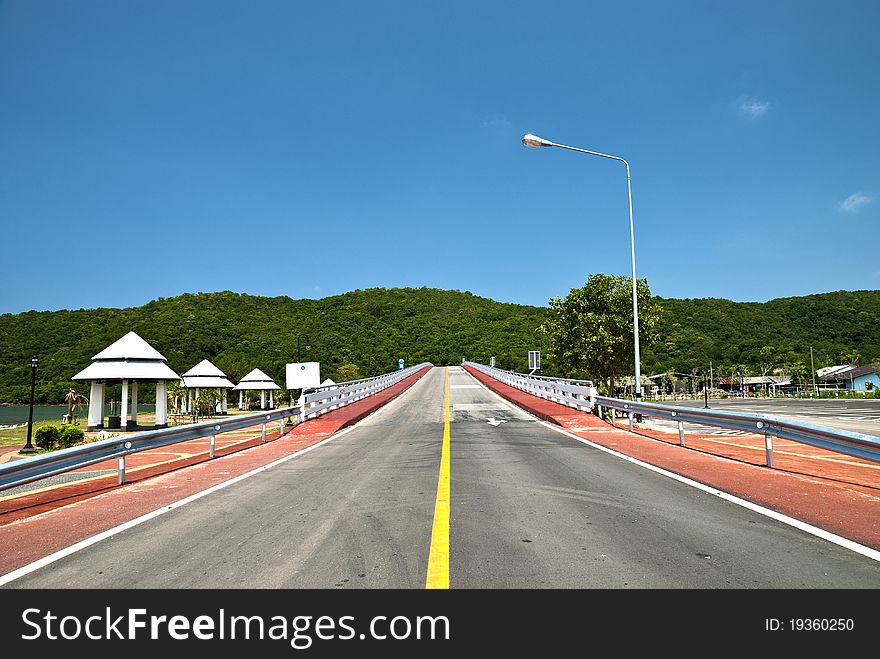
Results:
[373, 328]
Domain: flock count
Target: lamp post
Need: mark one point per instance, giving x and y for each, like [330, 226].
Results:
[705, 390]
[308, 346]
[813, 371]
[537, 142]
[28, 447]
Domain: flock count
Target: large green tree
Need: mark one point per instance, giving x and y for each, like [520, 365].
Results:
[590, 332]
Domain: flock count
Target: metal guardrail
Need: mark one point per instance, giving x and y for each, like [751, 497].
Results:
[20, 472]
[331, 397]
[859, 445]
[42, 466]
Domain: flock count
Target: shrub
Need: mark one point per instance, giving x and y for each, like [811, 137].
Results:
[46, 437]
[71, 435]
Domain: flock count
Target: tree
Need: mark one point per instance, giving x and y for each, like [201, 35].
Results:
[590, 332]
[348, 372]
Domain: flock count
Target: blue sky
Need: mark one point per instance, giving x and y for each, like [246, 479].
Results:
[308, 149]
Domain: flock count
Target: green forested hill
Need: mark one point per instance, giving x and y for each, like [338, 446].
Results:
[840, 326]
[374, 328]
[371, 328]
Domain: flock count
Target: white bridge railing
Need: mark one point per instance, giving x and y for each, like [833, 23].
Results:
[582, 396]
[20, 472]
[324, 399]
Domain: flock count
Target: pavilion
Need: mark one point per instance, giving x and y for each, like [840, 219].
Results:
[130, 360]
[256, 380]
[205, 375]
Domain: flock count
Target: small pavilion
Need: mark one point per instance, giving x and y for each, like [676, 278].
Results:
[256, 380]
[205, 375]
[130, 360]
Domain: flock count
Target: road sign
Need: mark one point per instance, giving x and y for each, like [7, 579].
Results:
[303, 375]
[400, 364]
[534, 360]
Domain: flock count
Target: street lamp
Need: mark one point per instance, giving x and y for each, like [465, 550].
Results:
[28, 447]
[308, 346]
[536, 142]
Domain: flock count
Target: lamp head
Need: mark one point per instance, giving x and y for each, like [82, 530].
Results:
[534, 141]
[34, 361]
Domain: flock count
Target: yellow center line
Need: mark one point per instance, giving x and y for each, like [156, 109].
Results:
[438, 558]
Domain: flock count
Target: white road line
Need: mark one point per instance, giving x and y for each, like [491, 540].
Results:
[785, 519]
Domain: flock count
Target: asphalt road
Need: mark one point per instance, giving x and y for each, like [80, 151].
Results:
[529, 508]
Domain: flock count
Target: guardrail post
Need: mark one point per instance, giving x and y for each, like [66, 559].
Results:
[630, 421]
[680, 433]
[211, 446]
[768, 447]
[120, 470]
[264, 433]
[599, 411]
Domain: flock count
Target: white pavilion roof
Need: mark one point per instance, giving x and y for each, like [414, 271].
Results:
[256, 380]
[130, 346]
[129, 358]
[124, 369]
[206, 382]
[205, 375]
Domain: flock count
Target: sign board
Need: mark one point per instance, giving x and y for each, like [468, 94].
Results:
[492, 362]
[534, 360]
[303, 375]
[400, 364]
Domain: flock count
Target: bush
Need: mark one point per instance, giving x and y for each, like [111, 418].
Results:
[71, 436]
[46, 437]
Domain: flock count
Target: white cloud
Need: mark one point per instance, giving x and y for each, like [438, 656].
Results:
[499, 124]
[753, 108]
[854, 203]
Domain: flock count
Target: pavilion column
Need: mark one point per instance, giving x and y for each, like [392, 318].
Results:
[241, 400]
[123, 412]
[262, 399]
[271, 400]
[134, 403]
[161, 404]
[96, 405]
[224, 408]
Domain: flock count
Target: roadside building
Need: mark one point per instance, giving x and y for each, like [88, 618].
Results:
[856, 378]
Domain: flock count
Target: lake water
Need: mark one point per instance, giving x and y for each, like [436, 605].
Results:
[14, 415]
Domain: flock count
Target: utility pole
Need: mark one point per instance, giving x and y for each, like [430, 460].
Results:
[813, 371]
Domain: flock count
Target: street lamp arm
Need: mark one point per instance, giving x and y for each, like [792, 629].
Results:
[592, 153]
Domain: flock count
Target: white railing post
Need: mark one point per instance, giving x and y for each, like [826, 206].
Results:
[768, 448]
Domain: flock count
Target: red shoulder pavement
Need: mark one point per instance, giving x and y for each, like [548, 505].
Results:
[37, 524]
[840, 496]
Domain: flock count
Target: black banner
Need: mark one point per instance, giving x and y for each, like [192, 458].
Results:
[288, 623]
